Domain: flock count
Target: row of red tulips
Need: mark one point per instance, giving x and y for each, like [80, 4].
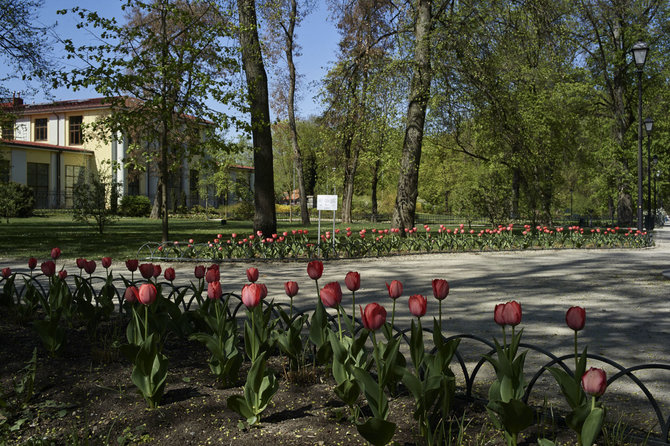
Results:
[430, 381]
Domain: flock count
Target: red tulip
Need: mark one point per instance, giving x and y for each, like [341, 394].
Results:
[157, 271]
[106, 262]
[291, 288]
[132, 294]
[147, 294]
[512, 313]
[199, 272]
[90, 267]
[331, 294]
[6, 272]
[353, 281]
[147, 270]
[32, 263]
[417, 305]
[252, 274]
[594, 381]
[81, 263]
[264, 290]
[131, 264]
[498, 315]
[55, 253]
[373, 316]
[394, 289]
[440, 289]
[48, 268]
[62, 274]
[315, 269]
[575, 318]
[169, 274]
[251, 295]
[212, 274]
[214, 290]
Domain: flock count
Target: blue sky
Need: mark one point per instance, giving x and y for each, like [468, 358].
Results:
[317, 35]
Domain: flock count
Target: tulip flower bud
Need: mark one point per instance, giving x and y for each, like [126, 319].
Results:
[252, 274]
[157, 271]
[62, 274]
[417, 305]
[147, 270]
[575, 317]
[169, 274]
[199, 272]
[373, 317]
[512, 313]
[251, 295]
[131, 264]
[440, 289]
[291, 288]
[32, 263]
[81, 263]
[353, 281]
[48, 268]
[394, 289]
[331, 295]
[132, 294]
[498, 315]
[6, 272]
[106, 262]
[594, 381]
[89, 267]
[214, 290]
[315, 269]
[147, 294]
[55, 253]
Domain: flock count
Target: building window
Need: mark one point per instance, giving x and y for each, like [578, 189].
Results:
[8, 130]
[73, 175]
[38, 181]
[41, 129]
[75, 130]
[4, 171]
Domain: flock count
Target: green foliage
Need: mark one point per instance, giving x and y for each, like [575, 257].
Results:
[135, 206]
[16, 200]
[242, 211]
[91, 201]
[259, 389]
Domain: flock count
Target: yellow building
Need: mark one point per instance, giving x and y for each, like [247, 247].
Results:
[44, 147]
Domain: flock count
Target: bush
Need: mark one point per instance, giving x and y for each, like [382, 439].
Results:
[241, 211]
[90, 202]
[135, 206]
[16, 200]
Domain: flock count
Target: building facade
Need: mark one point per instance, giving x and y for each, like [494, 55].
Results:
[44, 147]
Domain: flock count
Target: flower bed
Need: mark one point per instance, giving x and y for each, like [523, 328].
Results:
[297, 244]
[370, 376]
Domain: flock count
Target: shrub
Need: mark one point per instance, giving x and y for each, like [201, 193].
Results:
[90, 202]
[135, 206]
[241, 211]
[16, 200]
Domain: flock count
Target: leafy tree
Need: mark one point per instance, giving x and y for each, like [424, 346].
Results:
[90, 199]
[158, 71]
[265, 219]
[282, 17]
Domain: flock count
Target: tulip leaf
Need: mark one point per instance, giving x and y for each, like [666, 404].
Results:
[570, 389]
[416, 345]
[348, 392]
[545, 442]
[377, 431]
[515, 415]
[592, 426]
[506, 389]
[581, 367]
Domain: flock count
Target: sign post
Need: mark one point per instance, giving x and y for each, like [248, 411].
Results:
[326, 203]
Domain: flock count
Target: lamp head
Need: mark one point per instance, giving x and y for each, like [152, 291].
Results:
[640, 50]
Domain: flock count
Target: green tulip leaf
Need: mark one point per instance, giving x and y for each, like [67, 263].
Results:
[592, 426]
[377, 431]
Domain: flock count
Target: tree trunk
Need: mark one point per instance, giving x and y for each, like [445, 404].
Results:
[265, 219]
[408, 180]
[304, 212]
[164, 178]
[351, 164]
[375, 181]
[156, 208]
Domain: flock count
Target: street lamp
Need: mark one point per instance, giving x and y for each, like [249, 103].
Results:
[640, 50]
[648, 125]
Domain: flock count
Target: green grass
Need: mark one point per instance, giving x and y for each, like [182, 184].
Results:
[35, 236]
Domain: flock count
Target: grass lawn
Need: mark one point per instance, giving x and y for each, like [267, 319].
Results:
[35, 236]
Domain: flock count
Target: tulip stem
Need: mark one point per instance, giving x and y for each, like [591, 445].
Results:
[440, 306]
[146, 321]
[504, 337]
[339, 323]
[393, 317]
[593, 402]
[353, 313]
[576, 353]
[380, 380]
[290, 315]
[253, 337]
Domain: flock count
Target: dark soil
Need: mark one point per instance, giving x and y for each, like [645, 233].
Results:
[85, 396]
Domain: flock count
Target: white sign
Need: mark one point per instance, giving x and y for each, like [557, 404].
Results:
[326, 202]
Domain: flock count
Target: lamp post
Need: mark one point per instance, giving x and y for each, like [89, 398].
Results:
[648, 125]
[640, 50]
[658, 174]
